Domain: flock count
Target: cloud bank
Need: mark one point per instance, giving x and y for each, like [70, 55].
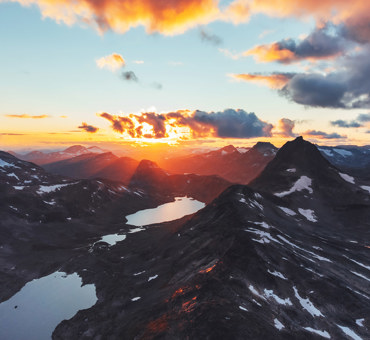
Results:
[225, 124]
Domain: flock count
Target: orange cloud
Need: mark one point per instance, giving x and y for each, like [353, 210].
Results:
[275, 80]
[272, 52]
[112, 62]
[27, 116]
[167, 17]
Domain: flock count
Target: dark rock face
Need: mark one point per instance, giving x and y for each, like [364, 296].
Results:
[284, 258]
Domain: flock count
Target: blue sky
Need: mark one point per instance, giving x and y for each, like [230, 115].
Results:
[49, 68]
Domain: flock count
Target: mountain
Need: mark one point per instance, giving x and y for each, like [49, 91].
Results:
[350, 158]
[237, 166]
[152, 179]
[104, 165]
[256, 263]
[40, 158]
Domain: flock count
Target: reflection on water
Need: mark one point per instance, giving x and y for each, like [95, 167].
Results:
[166, 212]
[35, 311]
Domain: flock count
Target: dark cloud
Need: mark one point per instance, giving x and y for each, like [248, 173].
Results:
[226, 124]
[286, 127]
[13, 134]
[323, 135]
[210, 38]
[345, 123]
[318, 45]
[130, 76]
[88, 128]
[364, 117]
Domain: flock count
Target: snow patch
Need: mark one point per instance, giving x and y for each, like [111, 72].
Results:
[4, 164]
[347, 178]
[349, 332]
[152, 278]
[279, 300]
[307, 304]
[360, 322]
[365, 187]
[291, 170]
[50, 188]
[288, 211]
[360, 275]
[136, 230]
[277, 274]
[324, 334]
[308, 214]
[344, 153]
[136, 298]
[13, 175]
[303, 183]
[243, 308]
[278, 324]
[327, 152]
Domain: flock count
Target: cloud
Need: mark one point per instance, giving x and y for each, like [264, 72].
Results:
[88, 128]
[318, 45]
[274, 80]
[358, 122]
[323, 135]
[139, 62]
[345, 124]
[166, 17]
[346, 86]
[12, 134]
[130, 76]
[210, 38]
[26, 116]
[156, 85]
[225, 124]
[364, 117]
[111, 62]
[286, 127]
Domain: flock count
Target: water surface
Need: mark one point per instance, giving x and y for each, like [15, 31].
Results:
[35, 311]
[166, 212]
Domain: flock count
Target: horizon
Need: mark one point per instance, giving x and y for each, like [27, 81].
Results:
[216, 73]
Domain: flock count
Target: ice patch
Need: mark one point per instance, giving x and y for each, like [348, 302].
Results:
[307, 304]
[308, 214]
[324, 334]
[288, 211]
[349, 332]
[278, 324]
[303, 183]
[152, 278]
[347, 178]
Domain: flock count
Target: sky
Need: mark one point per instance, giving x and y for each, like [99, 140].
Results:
[183, 73]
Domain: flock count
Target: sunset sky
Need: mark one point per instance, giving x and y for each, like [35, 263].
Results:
[183, 72]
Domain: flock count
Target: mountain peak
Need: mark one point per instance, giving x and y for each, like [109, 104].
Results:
[75, 149]
[229, 149]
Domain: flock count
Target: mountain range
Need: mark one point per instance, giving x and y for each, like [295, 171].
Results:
[284, 257]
